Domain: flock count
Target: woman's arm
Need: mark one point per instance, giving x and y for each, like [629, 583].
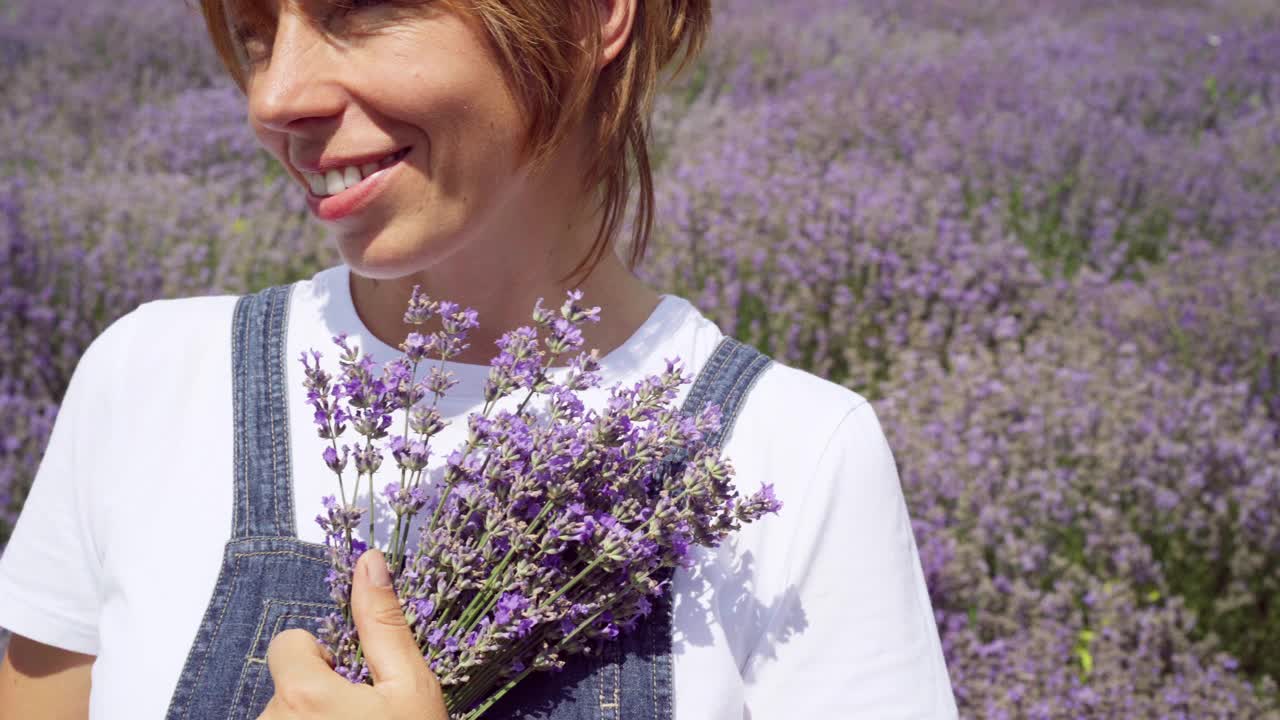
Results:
[43, 681]
[50, 571]
[867, 646]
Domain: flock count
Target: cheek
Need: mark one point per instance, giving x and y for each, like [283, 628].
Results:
[464, 118]
[271, 142]
[448, 80]
[491, 122]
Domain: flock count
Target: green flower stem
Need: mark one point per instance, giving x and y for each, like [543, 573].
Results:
[342, 490]
[489, 589]
[451, 481]
[479, 710]
[472, 690]
[402, 542]
[399, 540]
[470, 617]
[469, 623]
[576, 579]
[396, 547]
[393, 542]
[484, 466]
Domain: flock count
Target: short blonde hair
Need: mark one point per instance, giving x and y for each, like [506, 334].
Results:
[550, 72]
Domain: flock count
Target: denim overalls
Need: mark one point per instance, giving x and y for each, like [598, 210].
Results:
[271, 581]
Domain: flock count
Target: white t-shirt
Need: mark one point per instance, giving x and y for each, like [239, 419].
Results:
[817, 612]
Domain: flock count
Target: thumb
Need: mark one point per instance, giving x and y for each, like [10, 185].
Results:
[389, 648]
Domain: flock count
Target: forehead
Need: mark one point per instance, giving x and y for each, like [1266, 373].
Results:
[262, 14]
[258, 13]
[246, 14]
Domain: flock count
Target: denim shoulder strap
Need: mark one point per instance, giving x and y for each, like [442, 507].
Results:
[263, 476]
[724, 380]
[269, 580]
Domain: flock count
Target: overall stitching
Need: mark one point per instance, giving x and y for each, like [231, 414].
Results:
[231, 595]
[280, 458]
[239, 383]
[260, 664]
[323, 549]
[259, 389]
[261, 553]
[599, 672]
[258, 463]
[213, 631]
[699, 391]
[236, 353]
[741, 385]
[281, 620]
[245, 669]
[254, 691]
[266, 612]
[284, 516]
[653, 680]
[610, 669]
[204, 641]
[272, 388]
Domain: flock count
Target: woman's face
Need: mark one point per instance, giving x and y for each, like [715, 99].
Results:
[395, 119]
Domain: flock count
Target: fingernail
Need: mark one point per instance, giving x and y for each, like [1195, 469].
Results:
[376, 571]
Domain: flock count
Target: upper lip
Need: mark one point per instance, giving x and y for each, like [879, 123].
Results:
[332, 162]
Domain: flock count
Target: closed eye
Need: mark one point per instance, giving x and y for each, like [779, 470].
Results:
[343, 7]
[251, 43]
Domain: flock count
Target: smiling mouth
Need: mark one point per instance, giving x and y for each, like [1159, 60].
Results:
[336, 180]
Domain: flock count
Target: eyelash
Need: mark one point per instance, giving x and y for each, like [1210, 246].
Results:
[353, 5]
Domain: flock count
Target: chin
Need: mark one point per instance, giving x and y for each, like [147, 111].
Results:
[381, 258]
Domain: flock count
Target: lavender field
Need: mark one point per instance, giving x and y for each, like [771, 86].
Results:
[1043, 236]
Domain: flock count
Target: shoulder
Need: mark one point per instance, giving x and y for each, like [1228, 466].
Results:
[786, 407]
[820, 444]
[799, 407]
[155, 340]
[165, 323]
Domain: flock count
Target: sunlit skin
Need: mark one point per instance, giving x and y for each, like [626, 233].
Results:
[459, 217]
[404, 688]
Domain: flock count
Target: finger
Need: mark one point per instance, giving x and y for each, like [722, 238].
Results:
[358, 701]
[303, 679]
[389, 648]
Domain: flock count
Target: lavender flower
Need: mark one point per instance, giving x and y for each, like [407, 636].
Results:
[552, 523]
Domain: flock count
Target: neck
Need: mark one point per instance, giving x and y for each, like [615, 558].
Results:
[506, 302]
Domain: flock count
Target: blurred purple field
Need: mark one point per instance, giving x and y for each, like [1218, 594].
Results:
[1043, 237]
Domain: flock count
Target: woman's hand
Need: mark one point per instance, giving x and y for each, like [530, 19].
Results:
[404, 688]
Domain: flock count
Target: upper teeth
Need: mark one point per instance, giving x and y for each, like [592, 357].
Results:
[332, 182]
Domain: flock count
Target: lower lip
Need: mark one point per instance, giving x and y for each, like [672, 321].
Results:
[353, 199]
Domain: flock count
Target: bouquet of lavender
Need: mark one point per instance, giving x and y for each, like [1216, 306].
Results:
[551, 525]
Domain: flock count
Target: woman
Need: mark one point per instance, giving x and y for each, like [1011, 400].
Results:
[478, 149]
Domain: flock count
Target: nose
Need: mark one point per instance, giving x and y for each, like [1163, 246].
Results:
[296, 88]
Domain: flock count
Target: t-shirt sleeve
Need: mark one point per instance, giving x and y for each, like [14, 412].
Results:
[856, 637]
[50, 571]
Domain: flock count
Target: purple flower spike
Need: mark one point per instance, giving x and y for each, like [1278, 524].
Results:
[551, 519]
[335, 463]
[421, 308]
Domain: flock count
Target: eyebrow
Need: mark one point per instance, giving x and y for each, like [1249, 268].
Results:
[247, 18]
